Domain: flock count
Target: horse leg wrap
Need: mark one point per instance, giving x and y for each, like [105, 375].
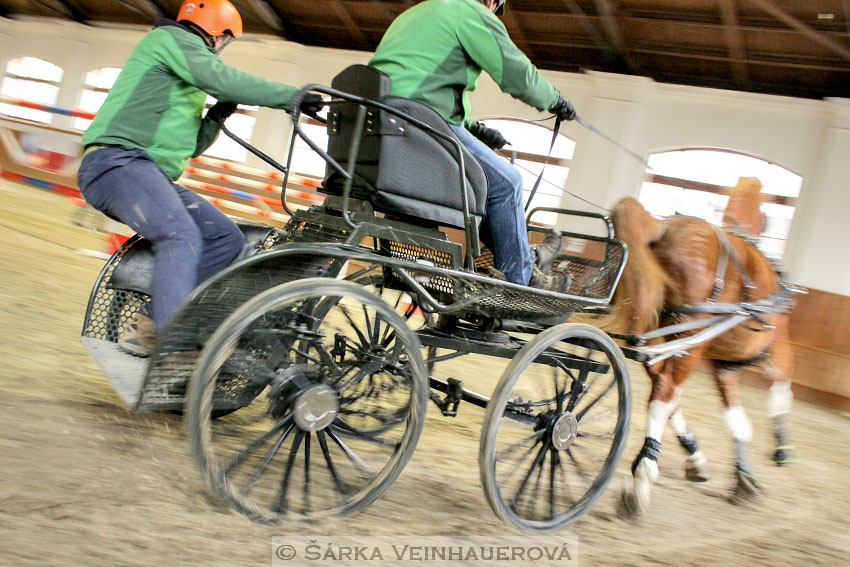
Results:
[651, 450]
[742, 457]
[689, 442]
[783, 454]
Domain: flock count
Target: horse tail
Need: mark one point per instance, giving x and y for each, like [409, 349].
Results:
[641, 291]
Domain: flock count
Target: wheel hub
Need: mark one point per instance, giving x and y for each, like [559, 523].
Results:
[564, 431]
[316, 407]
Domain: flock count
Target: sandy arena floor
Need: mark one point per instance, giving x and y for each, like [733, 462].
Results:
[85, 482]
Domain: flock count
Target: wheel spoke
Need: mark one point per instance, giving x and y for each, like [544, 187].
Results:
[597, 417]
[537, 483]
[562, 473]
[602, 436]
[364, 436]
[254, 445]
[358, 462]
[290, 464]
[579, 467]
[307, 473]
[340, 485]
[366, 370]
[520, 444]
[538, 461]
[552, 463]
[587, 408]
[369, 329]
[363, 342]
[249, 483]
[559, 393]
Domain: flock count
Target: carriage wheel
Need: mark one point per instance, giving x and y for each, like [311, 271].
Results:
[342, 408]
[555, 428]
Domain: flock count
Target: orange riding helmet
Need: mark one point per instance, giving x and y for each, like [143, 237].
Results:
[213, 16]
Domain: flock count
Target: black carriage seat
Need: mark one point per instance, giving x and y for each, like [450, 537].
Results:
[401, 169]
[135, 270]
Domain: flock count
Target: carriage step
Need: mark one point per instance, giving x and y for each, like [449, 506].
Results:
[454, 394]
[125, 371]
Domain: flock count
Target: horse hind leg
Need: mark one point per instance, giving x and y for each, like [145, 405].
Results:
[741, 428]
[696, 465]
[778, 369]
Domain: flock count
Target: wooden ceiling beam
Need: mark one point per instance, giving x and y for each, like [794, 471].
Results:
[352, 27]
[78, 14]
[391, 12]
[517, 32]
[811, 33]
[613, 31]
[154, 11]
[137, 9]
[713, 20]
[62, 9]
[735, 41]
[791, 61]
[267, 16]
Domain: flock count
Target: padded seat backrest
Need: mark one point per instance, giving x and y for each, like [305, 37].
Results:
[401, 168]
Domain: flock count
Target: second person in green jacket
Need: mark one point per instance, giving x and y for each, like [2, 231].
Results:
[434, 53]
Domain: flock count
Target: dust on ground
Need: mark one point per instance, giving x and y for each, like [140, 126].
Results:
[83, 481]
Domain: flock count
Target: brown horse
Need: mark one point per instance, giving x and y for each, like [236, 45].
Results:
[679, 262]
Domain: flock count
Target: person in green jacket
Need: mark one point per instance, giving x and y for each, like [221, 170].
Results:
[434, 53]
[142, 137]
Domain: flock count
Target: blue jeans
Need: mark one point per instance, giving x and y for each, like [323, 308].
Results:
[504, 227]
[191, 238]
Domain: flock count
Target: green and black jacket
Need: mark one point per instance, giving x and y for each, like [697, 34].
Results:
[435, 51]
[157, 100]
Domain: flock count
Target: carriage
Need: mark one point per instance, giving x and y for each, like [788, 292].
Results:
[306, 367]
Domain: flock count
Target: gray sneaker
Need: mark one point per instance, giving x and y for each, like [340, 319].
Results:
[559, 281]
[138, 338]
[548, 251]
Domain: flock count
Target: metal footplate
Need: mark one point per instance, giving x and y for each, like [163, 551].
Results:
[125, 371]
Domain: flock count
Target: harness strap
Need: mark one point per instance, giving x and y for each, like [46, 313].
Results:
[779, 302]
[545, 162]
[728, 252]
[722, 259]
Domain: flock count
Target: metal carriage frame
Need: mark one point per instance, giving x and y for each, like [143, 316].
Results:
[259, 327]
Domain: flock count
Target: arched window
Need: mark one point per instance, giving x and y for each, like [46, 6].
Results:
[31, 79]
[240, 123]
[692, 181]
[304, 160]
[528, 150]
[96, 85]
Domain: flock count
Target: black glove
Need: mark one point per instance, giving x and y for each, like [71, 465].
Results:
[220, 111]
[312, 104]
[491, 137]
[563, 109]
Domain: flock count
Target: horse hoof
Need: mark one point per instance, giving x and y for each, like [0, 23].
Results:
[630, 506]
[784, 456]
[747, 488]
[697, 474]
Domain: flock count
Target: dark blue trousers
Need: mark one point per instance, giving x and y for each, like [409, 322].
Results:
[191, 238]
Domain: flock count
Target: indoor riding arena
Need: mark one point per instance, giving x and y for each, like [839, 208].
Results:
[275, 413]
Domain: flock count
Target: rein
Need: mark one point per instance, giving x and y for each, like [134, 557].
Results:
[555, 130]
[593, 129]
